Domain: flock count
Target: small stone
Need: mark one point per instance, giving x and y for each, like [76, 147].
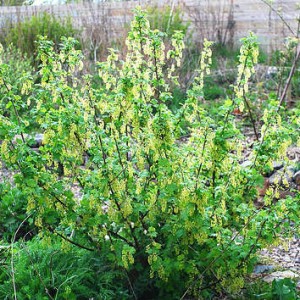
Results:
[293, 153]
[280, 275]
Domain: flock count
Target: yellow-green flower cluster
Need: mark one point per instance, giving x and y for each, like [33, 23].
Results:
[248, 58]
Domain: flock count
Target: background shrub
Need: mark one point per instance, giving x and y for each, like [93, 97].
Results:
[167, 20]
[25, 34]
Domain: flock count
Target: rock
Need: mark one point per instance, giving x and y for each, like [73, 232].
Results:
[277, 165]
[259, 269]
[39, 138]
[246, 164]
[276, 178]
[296, 178]
[280, 275]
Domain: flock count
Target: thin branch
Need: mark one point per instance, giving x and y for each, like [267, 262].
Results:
[12, 255]
[280, 16]
[72, 242]
[16, 112]
[251, 116]
[131, 286]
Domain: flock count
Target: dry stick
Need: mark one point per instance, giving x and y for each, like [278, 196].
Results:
[230, 23]
[288, 82]
[280, 78]
[170, 17]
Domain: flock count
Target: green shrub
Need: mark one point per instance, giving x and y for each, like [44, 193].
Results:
[24, 34]
[177, 215]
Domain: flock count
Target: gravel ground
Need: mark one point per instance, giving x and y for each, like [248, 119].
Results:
[5, 174]
[286, 256]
